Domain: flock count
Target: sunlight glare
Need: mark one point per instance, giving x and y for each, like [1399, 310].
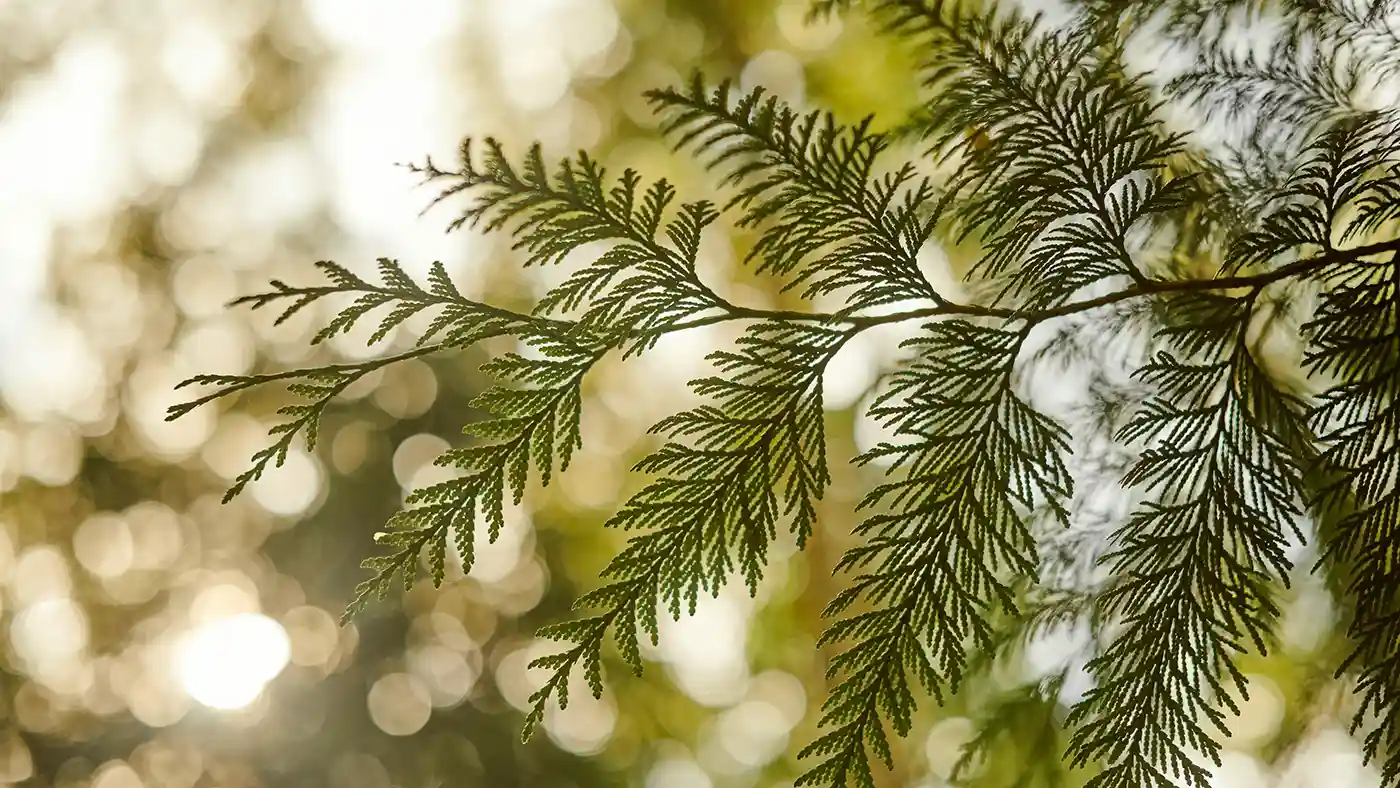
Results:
[225, 664]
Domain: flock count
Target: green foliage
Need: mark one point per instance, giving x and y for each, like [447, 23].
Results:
[1075, 157]
[811, 184]
[755, 454]
[637, 290]
[537, 425]
[1095, 220]
[1353, 343]
[459, 323]
[1193, 569]
[976, 459]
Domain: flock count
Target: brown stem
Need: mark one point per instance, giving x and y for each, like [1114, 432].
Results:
[1151, 287]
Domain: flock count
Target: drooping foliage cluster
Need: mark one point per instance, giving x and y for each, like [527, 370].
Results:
[1204, 213]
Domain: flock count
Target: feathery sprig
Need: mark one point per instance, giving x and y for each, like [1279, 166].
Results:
[1194, 568]
[635, 290]
[753, 455]
[1353, 342]
[460, 322]
[1076, 156]
[976, 459]
[630, 296]
[1357, 340]
[830, 219]
[537, 425]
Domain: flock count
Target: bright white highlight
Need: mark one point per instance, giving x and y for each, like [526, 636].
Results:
[225, 664]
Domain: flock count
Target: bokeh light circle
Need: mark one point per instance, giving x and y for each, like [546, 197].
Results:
[225, 664]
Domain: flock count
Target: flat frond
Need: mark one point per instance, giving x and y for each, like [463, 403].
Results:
[1299, 81]
[1194, 569]
[1356, 341]
[829, 219]
[949, 540]
[1350, 162]
[1061, 154]
[633, 292]
[751, 457]
[535, 425]
[459, 322]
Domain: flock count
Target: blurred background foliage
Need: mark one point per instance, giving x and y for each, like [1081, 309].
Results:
[161, 157]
